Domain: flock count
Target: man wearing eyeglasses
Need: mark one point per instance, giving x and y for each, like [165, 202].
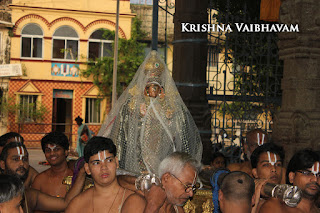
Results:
[178, 174]
[302, 171]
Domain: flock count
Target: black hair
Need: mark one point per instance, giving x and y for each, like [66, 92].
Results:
[303, 159]
[97, 144]
[238, 186]
[57, 138]
[267, 147]
[4, 138]
[10, 187]
[4, 153]
[216, 155]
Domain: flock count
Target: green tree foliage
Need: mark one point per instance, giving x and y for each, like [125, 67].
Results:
[26, 113]
[130, 57]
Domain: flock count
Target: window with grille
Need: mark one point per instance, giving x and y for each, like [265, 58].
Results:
[28, 106]
[92, 110]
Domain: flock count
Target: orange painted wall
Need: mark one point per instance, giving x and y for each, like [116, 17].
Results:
[33, 133]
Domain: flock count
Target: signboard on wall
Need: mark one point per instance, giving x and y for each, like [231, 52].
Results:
[65, 94]
[64, 69]
[9, 70]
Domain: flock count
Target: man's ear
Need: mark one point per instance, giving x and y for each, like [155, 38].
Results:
[255, 173]
[220, 196]
[117, 162]
[2, 165]
[253, 200]
[291, 176]
[165, 177]
[87, 169]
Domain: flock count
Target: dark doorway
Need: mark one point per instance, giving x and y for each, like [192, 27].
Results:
[62, 111]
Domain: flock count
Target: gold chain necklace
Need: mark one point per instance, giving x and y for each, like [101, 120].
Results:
[111, 203]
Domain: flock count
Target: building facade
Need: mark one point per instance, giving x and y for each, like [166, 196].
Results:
[53, 41]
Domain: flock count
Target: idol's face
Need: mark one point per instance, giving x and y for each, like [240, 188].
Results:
[153, 90]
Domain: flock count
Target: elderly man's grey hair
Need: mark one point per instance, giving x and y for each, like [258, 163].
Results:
[10, 187]
[175, 162]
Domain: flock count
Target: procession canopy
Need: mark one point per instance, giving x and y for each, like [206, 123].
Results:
[150, 120]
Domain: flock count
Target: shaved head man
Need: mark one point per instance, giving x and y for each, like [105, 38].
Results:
[236, 193]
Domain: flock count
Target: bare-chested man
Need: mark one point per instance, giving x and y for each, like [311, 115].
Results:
[178, 173]
[236, 193]
[55, 146]
[266, 161]
[14, 160]
[255, 138]
[302, 171]
[106, 195]
[16, 137]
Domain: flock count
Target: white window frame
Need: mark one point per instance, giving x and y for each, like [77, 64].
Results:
[91, 111]
[65, 43]
[32, 36]
[29, 119]
[101, 47]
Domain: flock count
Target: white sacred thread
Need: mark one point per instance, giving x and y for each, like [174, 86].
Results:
[52, 147]
[20, 152]
[314, 170]
[275, 158]
[194, 179]
[102, 158]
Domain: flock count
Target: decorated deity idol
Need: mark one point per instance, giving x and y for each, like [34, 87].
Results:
[150, 120]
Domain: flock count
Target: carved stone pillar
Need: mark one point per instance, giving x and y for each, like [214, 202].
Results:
[189, 66]
[297, 125]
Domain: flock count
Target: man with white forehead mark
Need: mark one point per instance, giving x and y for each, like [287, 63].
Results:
[254, 139]
[55, 146]
[302, 171]
[14, 160]
[266, 162]
[16, 137]
[106, 194]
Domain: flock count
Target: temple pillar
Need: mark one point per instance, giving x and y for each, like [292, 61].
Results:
[189, 66]
[297, 125]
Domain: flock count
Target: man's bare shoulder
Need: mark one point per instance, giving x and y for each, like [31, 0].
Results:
[134, 201]
[272, 205]
[80, 202]
[136, 197]
[31, 177]
[234, 167]
[40, 178]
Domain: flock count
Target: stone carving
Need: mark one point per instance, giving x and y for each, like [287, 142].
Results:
[300, 127]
